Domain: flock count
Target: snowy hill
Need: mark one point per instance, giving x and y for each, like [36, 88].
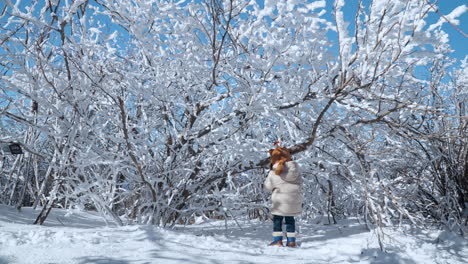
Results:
[76, 237]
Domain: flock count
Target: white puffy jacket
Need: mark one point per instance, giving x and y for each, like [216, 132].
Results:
[286, 190]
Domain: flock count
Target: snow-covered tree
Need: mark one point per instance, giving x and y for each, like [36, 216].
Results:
[158, 111]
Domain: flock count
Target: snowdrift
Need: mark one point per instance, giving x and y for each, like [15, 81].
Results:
[77, 237]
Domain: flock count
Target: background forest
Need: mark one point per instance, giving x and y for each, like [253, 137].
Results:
[158, 112]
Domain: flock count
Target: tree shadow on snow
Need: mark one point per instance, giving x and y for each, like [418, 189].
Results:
[262, 230]
[253, 230]
[101, 260]
[166, 250]
[4, 260]
[257, 234]
[11, 215]
[57, 217]
[448, 242]
[376, 256]
[253, 235]
[317, 233]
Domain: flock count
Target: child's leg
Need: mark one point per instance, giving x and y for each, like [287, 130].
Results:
[290, 231]
[277, 231]
[290, 224]
[278, 225]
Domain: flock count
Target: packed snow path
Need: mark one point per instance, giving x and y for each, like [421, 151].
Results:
[84, 238]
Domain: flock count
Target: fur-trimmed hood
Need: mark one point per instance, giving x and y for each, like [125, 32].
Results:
[290, 172]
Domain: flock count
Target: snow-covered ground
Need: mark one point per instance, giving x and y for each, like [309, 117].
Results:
[71, 237]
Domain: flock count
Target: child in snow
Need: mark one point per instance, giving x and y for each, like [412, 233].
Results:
[285, 183]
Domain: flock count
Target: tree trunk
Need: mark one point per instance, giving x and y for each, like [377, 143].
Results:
[27, 179]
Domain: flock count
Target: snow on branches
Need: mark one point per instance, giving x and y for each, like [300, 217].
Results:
[160, 111]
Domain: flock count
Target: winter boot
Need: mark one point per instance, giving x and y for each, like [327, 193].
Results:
[277, 239]
[291, 240]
